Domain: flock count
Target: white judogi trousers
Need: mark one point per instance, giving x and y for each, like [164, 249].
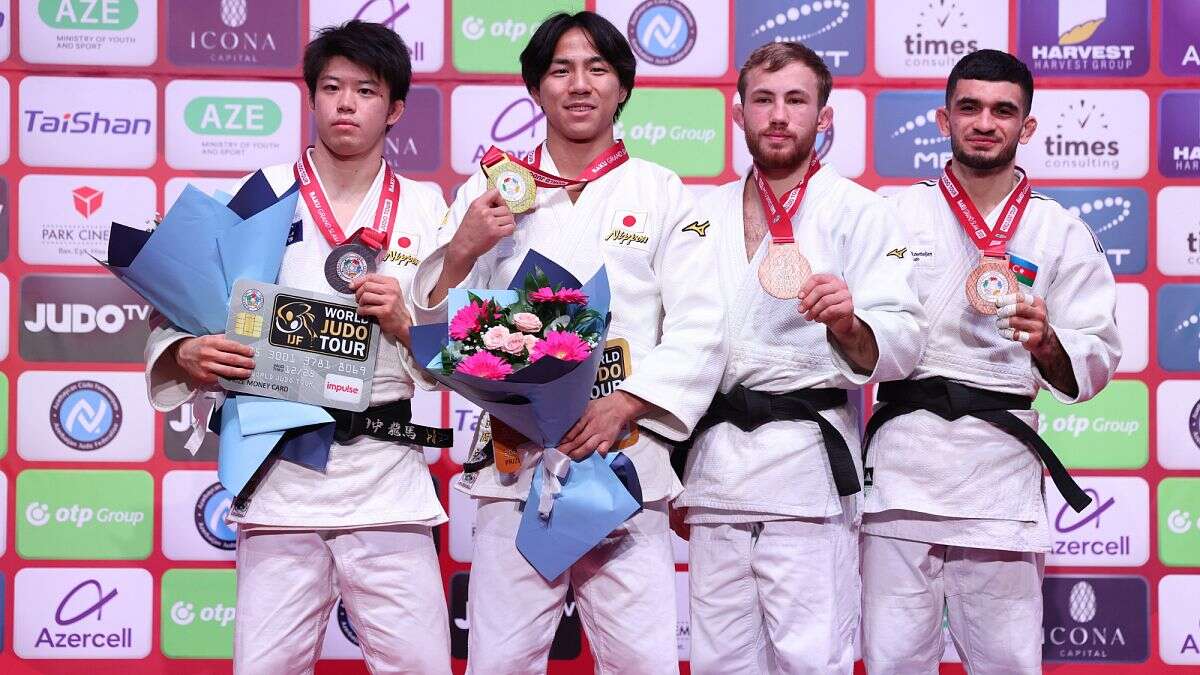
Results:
[779, 596]
[389, 581]
[993, 600]
[624, 590]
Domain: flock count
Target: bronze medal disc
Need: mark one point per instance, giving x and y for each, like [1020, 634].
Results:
[783, 271]
[988, 282]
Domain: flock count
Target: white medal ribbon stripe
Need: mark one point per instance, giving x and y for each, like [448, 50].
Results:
[203, 405]
[555, 468]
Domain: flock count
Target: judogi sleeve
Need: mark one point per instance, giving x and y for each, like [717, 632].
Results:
[884, 295]
[434, 212]
[1081, 303]
[426, 276]
[682, 372]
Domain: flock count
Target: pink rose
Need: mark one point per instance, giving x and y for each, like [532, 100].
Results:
[530, 341]
[495, 336]
[514, 343]
[527, 322]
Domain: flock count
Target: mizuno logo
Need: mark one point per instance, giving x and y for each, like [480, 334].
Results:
[897, 252]
[701, 229]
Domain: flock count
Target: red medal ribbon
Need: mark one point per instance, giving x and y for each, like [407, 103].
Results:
[780, 214]
[375, 235]
[606, 161]
[994, 243]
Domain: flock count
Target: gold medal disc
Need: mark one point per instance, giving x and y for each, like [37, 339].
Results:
[989, 281]
[515, 184]
[783, 271]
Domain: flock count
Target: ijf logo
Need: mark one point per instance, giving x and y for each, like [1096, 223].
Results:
[1181, 37]
[1118, 216]
[1179, 619]
[1179, 327]
[1108, 38]
[85, 415]
[1081, 134]
[106, 122]
[1179, 134]
[419, 23]
[1096, 619]
[67, 613]
[1111, 531]
[835, 29]
[1179, 424]
[930, 36]
[1178, 230]
[482, 116]
[234, 33]
[91, 32]
[907, 140]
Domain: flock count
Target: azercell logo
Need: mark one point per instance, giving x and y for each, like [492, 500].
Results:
[1111, 531]
[85, 122]
[228, 116]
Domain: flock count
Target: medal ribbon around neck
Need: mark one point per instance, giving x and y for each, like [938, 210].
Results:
[779, 214]
[606, 161]
[992, 244]
[375, 235]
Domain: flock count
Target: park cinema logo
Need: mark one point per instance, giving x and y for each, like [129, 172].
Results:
[1179, 126]
[835, 29]
[234, 33]
[1098, 619]
[930, 36]
[71, 224]
[1107, 38]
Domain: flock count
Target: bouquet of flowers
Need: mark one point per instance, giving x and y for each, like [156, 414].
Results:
[491, 341]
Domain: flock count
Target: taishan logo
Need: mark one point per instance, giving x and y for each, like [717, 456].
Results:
[85, 122]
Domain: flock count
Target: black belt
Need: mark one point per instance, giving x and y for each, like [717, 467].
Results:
[748, 409]
[388, 422]
[951, 400]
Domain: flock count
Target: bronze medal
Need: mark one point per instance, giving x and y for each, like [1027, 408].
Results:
[783, 271]
[988, 282]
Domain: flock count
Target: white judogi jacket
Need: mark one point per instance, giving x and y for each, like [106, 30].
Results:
[369, 481]
[782, 468]
[665, 297]
[969, 469]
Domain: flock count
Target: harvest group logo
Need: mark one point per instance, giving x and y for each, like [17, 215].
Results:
[930, 36]
[1179, 129]
[1108, 38]
[231, 125]
[92, 32]
[836, 30]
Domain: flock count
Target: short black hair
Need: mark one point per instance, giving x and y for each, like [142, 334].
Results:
[775, 55]
[992, 65]
[612, 45]
[370, 45]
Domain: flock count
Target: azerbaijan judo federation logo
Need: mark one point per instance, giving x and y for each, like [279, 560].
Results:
[662, 32]
[212, 508]
[85, 415]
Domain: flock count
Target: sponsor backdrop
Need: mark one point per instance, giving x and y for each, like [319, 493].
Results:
[112, 538]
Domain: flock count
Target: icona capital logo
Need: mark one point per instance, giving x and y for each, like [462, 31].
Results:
[1098, 619]
[234, 33]
[230, 116]
[88, 14]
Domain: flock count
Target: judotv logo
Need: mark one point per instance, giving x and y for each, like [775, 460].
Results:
[230, 116]
[85, 415]
[662, 32]
[212, 507]
[88, 14]
[102, 515]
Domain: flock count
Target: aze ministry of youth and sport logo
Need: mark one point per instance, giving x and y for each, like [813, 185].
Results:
[835, 29]
[85, 415]
[212, 507]
[662, 32]
[1075, 38]
[1096, 619]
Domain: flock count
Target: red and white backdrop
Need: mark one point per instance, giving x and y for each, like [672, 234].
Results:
[112, 547]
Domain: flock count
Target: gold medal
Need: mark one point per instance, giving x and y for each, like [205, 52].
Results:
[515, 184]
[783, 271]
[988, 282]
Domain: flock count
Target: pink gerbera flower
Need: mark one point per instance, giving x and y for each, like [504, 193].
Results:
[485, 365]
[466, 321]
[562, 345]
[544, 294]
[571, 296]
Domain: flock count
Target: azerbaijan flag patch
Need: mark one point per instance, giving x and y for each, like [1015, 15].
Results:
[1024, 270]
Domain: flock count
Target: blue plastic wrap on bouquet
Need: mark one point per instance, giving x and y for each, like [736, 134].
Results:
[543, 401]
[185, 268]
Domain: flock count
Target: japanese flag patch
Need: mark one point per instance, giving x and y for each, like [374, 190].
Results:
[629, 229]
